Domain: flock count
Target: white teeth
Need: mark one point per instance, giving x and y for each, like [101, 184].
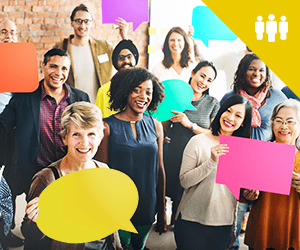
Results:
[83, 150]
[228, 123]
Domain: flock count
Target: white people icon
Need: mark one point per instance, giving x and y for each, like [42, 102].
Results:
[271, 28]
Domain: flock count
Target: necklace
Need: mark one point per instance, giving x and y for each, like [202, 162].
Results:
[132, 122]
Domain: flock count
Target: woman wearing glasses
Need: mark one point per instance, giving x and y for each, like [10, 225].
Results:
[274, 221]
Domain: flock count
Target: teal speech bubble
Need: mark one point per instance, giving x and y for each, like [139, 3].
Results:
[179, 95]
[207, 26]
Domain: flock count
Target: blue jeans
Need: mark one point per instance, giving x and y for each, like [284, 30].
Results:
[191, 235]
[242, 209]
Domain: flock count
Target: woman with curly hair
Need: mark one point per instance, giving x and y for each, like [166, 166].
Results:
[177, 62]
[252, 80]
[133, 143]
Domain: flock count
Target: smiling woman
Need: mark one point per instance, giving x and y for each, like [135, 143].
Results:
[206, 211]
[252, 80]
[82, 132]
[272, 212]
[132, 144]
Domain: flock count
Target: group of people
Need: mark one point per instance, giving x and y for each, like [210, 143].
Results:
[55, 131]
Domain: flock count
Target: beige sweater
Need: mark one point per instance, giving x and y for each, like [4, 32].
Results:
[203, 200]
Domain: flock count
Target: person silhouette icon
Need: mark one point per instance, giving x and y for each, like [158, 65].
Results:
[259, 28]
[271, 28]
[283, 28]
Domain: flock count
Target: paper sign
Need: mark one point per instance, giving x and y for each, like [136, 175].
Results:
[152, 31]
[103, 58]
[87, 205]
[179, 95]
[135, 11]
[254, 164]
[151, 49]
[19, 67]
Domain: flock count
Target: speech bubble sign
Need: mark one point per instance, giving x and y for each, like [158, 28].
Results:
[207, 26]
[87, 205]
[19, 67]
[254, 164]
[135, 11]
[179, 95]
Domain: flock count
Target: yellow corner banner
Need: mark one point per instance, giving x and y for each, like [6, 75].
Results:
[255, 20]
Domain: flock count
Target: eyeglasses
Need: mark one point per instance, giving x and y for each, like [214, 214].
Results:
[279, 122]
[5, 32]
[80, 21]
[123, 57]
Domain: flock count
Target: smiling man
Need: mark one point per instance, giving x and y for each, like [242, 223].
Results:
[91, 64]
[36, 119]
[125, 55]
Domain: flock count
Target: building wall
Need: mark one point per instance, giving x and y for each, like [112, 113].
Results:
[45, 22]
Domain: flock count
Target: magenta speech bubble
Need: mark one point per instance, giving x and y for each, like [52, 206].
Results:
[135, 11]
[254, 164]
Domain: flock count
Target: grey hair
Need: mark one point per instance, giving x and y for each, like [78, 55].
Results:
[82, 114]
[290, 103]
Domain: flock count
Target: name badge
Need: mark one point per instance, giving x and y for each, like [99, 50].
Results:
[103, 58]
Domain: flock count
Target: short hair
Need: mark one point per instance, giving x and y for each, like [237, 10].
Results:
[240, 75]
[82, 114]
[290, 103]
[185, 54]
[55, 52]
[124, 82]
[243, 131]
[199, 66]
[83, 8]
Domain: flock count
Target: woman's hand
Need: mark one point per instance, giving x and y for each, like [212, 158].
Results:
[32, 209]
[218, 150]
[182, 118]
[122, 25]
[167, 139]
[251, 194]
[296, 182]
[161, 225]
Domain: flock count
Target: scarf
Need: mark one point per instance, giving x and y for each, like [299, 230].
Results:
[256, 101]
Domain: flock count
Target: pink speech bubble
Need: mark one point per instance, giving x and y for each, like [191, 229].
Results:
[19, 67]
[254, 164]
[135, 11]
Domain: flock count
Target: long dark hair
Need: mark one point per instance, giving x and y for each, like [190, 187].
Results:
[199, 66]
[185, 54]
[239, 78]
[243, 131]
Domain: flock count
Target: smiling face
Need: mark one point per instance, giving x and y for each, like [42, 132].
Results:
[82, 143]
[83, 29]
[176, 43]
[56, 72]
[255, 76]
[126, 59]
[140, 98]
[8, 32]
[232, 119]
[286, 126]
[202, 80]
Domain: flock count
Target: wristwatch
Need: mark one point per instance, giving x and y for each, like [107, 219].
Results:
[194, 126]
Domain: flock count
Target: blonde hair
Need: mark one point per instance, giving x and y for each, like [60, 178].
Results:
[82, 114]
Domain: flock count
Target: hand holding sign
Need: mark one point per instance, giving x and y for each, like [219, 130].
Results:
[179, 95]
[87, 205]
[254, 164]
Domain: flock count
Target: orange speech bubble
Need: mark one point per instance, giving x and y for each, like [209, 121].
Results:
[18, 67]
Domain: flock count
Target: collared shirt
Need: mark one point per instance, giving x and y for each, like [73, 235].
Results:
[51, 147]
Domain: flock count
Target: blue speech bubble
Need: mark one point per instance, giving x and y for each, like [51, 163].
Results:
[207, 26]
[179, 95]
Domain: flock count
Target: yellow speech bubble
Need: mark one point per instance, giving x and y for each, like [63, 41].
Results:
[87, 205]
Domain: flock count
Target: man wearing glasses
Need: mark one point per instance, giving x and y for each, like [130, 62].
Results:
[91, 64]
[8, 34]
[125, 55]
